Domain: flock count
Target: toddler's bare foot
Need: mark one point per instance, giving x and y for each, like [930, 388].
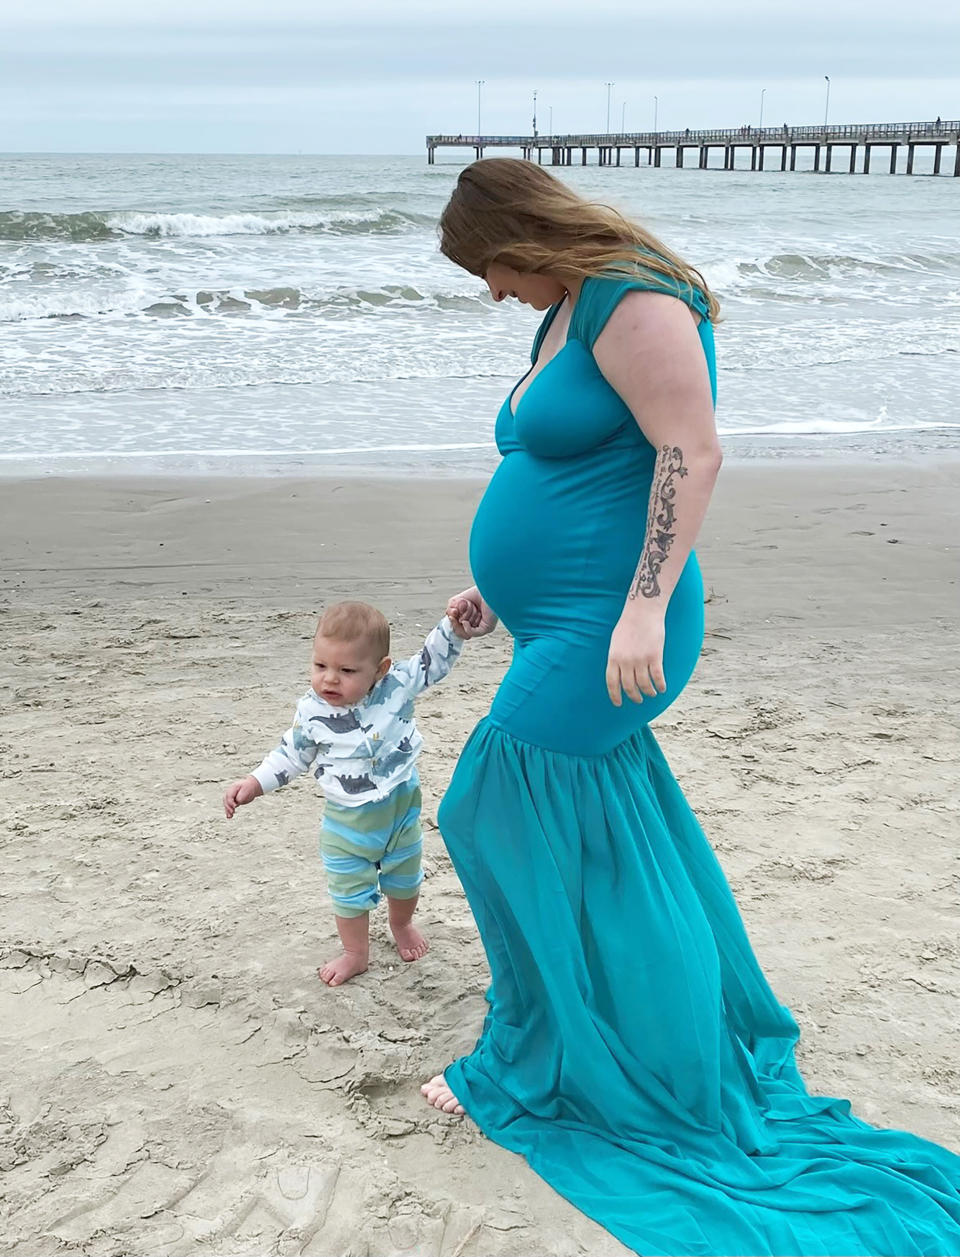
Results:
[345, 967]
[440, 1096]
[410, 942]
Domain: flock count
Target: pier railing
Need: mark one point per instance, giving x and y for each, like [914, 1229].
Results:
[823, 139]
[861, 132]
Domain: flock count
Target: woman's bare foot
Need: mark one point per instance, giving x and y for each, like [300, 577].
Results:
[345, 967]
[440, 1096]
[410, 942]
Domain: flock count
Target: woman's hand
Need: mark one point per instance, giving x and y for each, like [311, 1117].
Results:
[470, 614]
[635, 661]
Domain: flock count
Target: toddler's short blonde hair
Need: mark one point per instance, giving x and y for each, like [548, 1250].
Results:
[356, 621]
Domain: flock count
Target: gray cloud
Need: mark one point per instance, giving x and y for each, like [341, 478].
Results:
[292, 75]
[720, 47]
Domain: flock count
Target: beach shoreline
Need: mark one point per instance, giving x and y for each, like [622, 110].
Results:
[915, 446]
[180, 1081]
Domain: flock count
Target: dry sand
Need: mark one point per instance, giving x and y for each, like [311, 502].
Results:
[175, 1078]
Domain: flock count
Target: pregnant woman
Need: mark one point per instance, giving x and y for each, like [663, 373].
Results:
[633, 1051]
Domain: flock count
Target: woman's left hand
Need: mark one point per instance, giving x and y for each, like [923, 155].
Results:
[635, 661]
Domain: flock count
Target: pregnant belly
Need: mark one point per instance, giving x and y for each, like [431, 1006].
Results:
[553, 553]
[554, 543]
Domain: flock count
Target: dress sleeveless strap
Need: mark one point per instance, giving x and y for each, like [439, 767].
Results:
[601, 294]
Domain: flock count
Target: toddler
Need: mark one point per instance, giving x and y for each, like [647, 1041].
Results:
[354, 729]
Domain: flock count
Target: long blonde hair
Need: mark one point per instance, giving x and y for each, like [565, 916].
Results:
[515, 212]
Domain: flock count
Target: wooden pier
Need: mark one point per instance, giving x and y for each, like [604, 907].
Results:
[772, 148]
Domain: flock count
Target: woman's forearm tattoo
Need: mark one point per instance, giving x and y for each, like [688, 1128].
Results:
[661, 521]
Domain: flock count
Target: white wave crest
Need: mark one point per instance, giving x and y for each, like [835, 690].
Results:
[76, 305]
[139, 299]
[168, 225]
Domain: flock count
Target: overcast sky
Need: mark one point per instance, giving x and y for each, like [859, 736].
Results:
[375, 76]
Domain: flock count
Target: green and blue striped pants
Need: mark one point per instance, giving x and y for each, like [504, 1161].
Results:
[374, 847]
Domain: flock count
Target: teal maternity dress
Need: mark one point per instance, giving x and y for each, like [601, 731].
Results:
[633, 1051]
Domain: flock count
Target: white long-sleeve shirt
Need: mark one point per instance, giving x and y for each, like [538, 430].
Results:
[361, 753]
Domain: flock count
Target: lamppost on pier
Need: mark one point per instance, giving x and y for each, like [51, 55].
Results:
[826, 107]
[656, 104]
[609, 86]
[534, 113]
[763, 92]
[480, 83]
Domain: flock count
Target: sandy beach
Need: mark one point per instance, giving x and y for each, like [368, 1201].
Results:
[177, 1080]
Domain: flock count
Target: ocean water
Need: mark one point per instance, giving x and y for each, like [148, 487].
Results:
[274, 314]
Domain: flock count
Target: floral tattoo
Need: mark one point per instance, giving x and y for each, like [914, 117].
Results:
[661, 522]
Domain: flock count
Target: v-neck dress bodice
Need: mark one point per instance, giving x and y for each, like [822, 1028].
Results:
[557, 539]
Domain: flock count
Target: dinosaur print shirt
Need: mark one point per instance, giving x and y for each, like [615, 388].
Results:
[361, 753]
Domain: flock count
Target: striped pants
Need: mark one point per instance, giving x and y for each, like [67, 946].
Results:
[372, 848]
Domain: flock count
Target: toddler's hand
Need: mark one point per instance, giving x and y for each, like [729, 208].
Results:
[470, 615]
[458, 620]
[462, 612]
[239, 792]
